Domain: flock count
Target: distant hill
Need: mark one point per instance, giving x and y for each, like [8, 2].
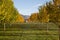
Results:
[26, 16]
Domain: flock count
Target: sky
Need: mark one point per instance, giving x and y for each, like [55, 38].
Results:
[27, 7]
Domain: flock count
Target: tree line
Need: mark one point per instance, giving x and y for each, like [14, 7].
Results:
[50, 12]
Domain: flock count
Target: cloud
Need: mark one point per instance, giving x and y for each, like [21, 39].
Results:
[37, 5]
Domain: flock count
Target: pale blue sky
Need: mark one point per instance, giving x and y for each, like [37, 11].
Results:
[26, 7]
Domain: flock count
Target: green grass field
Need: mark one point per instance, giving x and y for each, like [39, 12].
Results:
[29, 31]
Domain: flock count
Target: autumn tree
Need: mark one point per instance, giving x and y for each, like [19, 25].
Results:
[19, 19]
[34, 17]
[43, 14]
[50, 12]
[54, 11]
[8, 13]
[56, 2]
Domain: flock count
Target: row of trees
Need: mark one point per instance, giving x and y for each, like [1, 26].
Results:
[8, 13]
[50, 12]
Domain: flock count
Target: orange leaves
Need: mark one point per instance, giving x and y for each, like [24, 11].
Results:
[19, 19]
[33, 17]
[29, 20]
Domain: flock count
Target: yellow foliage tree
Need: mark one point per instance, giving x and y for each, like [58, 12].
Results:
[34, 17]
[20, 19]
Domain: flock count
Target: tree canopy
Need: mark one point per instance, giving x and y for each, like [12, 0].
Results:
[8, 13]
[50, 12]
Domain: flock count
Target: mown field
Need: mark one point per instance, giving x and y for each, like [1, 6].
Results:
[29, 31]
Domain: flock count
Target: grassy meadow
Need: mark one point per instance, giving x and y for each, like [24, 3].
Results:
[29, 31]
